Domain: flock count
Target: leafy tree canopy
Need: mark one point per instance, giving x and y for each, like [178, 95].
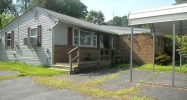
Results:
[95, 17]
[6, 19]
[74, 8]
[118, 21]
[7, 9]
[180, 1]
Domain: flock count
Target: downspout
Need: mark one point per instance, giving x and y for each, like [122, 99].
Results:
[52, 43]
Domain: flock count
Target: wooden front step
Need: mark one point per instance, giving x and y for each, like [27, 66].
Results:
[64, 66]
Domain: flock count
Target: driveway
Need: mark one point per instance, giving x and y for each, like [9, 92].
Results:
[25, 89]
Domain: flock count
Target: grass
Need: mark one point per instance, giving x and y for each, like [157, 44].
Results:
[125, 93]
[167, 68]
[126, 65]
[101, 80]
[10, 77]
[29, 70]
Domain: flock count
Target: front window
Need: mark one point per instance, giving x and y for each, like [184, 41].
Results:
[84, 38]
[76, 36]
[8, 39]
[33, 32]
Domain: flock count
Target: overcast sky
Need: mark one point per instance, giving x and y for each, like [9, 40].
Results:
[123, 7]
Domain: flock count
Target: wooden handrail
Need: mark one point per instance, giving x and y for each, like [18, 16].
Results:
[73, 50]
[78, 56]
[74, 58]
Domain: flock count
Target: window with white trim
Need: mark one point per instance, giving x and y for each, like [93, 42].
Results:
[8, 40]
[76, 36]
[33, 32]
[84, 38]
[156, 40]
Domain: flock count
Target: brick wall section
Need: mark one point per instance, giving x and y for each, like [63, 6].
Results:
[60, 53]
[142, 48]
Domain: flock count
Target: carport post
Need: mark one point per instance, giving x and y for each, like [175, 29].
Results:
[131, 53]
[173, 60]
[181, 53]
[153, 31]
[153, 51]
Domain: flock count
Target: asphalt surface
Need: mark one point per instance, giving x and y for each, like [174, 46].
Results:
[8, 73]
[25, 89]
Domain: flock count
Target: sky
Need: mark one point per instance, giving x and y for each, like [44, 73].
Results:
[123, 7]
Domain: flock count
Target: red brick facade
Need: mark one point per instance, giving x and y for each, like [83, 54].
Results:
[142, 48]
[60, 53]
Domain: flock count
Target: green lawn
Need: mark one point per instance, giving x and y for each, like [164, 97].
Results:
[29, 70]
[167, 68]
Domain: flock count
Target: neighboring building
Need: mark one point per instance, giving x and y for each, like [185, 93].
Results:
[44, 37]
[142, 45]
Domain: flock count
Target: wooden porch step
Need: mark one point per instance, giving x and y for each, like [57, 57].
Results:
[64, 66]
[66, 70]
[90, 62]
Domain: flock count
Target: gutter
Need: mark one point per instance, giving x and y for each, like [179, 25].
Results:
[52, 43]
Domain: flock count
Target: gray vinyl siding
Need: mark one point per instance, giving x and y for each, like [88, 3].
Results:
[20, 27]
[61, 34]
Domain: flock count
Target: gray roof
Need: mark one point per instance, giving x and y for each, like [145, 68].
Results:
[126, 30]
[77, 22]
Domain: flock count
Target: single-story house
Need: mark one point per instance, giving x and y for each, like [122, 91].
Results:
[44, 37]
[142, 46]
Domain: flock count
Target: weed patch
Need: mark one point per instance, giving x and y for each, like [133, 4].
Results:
[2, 78]
[87, 90]
[101, 80]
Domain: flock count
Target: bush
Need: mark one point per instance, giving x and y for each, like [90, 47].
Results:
[162, 59]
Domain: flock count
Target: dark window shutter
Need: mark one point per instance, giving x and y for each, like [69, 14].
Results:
[6, 40]
[29, 32]
[98, 40]
[12, 39]
[70, 36]
[39, 36]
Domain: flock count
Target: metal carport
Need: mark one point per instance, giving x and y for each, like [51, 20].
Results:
[162, 21]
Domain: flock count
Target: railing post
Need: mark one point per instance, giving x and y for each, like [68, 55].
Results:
[78, 54]
[99, 55]
[70, 62]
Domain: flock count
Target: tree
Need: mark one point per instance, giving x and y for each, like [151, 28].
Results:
[24, 4]
[183, 49]
[124, 21]
[74, 8]
[6, 19]
[117, 21]
[95, 17]
[7, 8]
[180, 1]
